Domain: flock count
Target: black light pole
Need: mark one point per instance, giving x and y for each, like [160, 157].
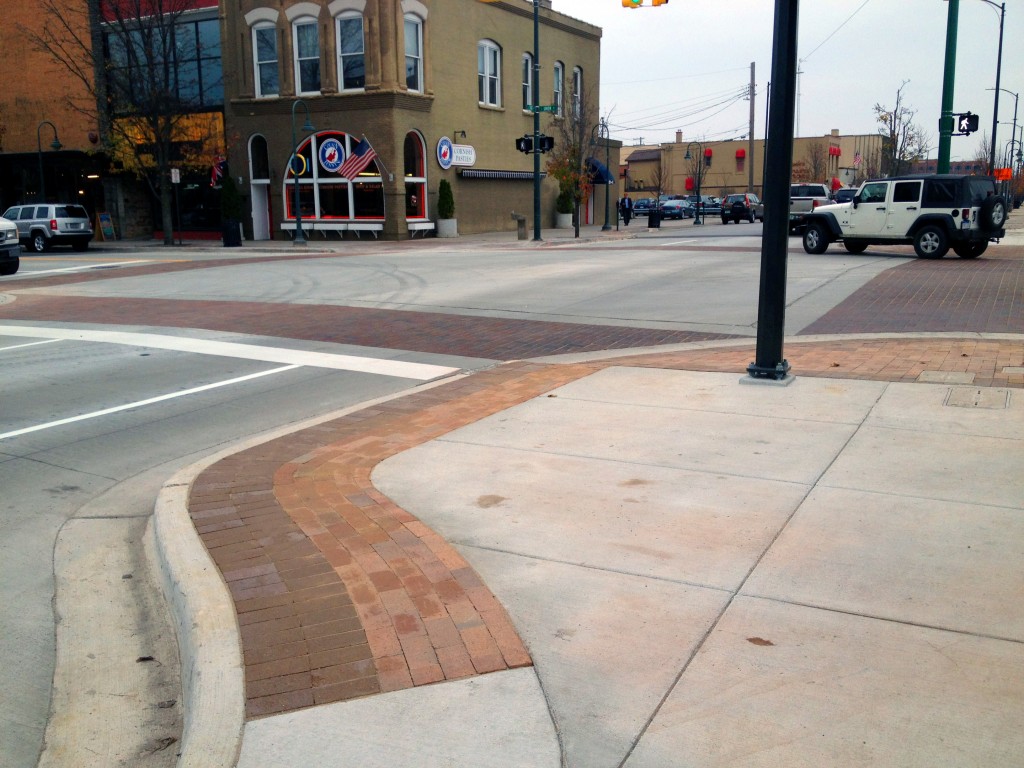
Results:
[300, 237]
[698, 174]
[55, 145]
[607, 164]
[536, 120]
[771, 308]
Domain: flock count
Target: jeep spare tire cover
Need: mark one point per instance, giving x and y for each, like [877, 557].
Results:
[993, 212]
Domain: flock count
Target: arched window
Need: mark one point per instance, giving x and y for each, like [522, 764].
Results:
[488, 62]
[559, 86]
[264, 54]
[259, 159]
[527, 82]
[415, 176]
[351, 52]
[414, 53]
[324, 195]
[577, 92]
[306, 44]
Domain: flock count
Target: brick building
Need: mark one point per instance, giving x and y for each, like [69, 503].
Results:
[437, 89]
[729, 166]
[40, 104]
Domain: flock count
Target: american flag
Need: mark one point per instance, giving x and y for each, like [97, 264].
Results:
[856, 160]
[361, 156]
[220, 167]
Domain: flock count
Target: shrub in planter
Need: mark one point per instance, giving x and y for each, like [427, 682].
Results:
[563, 204]
[445, 200]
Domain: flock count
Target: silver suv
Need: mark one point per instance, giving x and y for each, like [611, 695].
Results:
[10, 249]
[44, 225]
[932, 212]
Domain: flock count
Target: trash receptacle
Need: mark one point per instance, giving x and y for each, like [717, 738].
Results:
[520, 220]
[654, 219]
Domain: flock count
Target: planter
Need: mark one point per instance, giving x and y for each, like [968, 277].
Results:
[447, 227]
[563, 221]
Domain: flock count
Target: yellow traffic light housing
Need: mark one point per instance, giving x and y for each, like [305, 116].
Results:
[659, 2]
[632, 3]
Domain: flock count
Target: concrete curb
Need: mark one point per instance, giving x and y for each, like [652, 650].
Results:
[209, 648]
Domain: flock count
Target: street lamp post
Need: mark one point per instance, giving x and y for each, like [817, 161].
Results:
[607, 164]
[999, 70]
[536, 120]
[308, 127]
[699, 172]
[1012, 135]
[55, 145]
[948, 78]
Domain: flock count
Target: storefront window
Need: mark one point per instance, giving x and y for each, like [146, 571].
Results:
[325, 195]
[415, 177]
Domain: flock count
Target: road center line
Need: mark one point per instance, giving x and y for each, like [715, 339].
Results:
[378, 366]
[148, 401]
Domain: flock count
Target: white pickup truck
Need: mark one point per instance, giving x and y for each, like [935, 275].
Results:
[803, 199]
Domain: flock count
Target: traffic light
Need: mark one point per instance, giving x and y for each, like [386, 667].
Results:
[966, 123]
[659, 2]
[525, 144]
[632, 3]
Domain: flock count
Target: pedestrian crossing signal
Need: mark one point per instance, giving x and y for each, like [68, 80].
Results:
[966, 123]
[524, 144]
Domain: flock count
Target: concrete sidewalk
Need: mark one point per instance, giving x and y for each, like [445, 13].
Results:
[703, 571]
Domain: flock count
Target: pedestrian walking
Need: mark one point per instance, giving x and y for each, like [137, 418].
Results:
[626, 207]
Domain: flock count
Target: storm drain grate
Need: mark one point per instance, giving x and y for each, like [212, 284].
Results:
[972, 397]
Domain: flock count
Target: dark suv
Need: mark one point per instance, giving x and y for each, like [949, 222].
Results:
[931, 212]
[44, 225]
[745, 206]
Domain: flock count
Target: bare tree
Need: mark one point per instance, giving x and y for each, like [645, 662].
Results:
[903, 141]
[129, 55]
[574, 141]
[817, 160]
[697, 168]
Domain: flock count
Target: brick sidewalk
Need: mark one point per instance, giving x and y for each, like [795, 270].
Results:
[340, 593]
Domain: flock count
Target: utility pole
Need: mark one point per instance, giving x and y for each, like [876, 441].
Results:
[750, 135]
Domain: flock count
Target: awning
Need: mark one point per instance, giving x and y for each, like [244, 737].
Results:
[479, 173]
[598, 172]
[741, 153]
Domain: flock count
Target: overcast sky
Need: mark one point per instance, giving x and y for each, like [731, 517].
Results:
[686, 65]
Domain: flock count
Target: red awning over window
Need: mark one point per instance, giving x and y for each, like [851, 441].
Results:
[689, 183]
[741, 153]
[707, 152]
[835, 152]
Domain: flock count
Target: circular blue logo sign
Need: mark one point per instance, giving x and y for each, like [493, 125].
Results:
[332, 155]
[444, 152]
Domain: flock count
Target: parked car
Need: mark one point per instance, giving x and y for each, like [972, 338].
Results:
[744, 206]
[708, 205]
[803, 199]
[10, 248]
[643, 206]
[677, 209]
[844, 195]
[931, 212]
[44, 225]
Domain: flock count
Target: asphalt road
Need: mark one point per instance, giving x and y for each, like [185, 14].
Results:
[92, 424]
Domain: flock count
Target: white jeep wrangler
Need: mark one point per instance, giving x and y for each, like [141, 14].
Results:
[931, 212]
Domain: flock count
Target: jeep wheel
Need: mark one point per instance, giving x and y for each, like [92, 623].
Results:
[855, 246]
[751, 217]
[993, 213]
[10, 268]
[931, 243]
[970, 250]
[725, 220]
[815, 239]
[39, 243]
